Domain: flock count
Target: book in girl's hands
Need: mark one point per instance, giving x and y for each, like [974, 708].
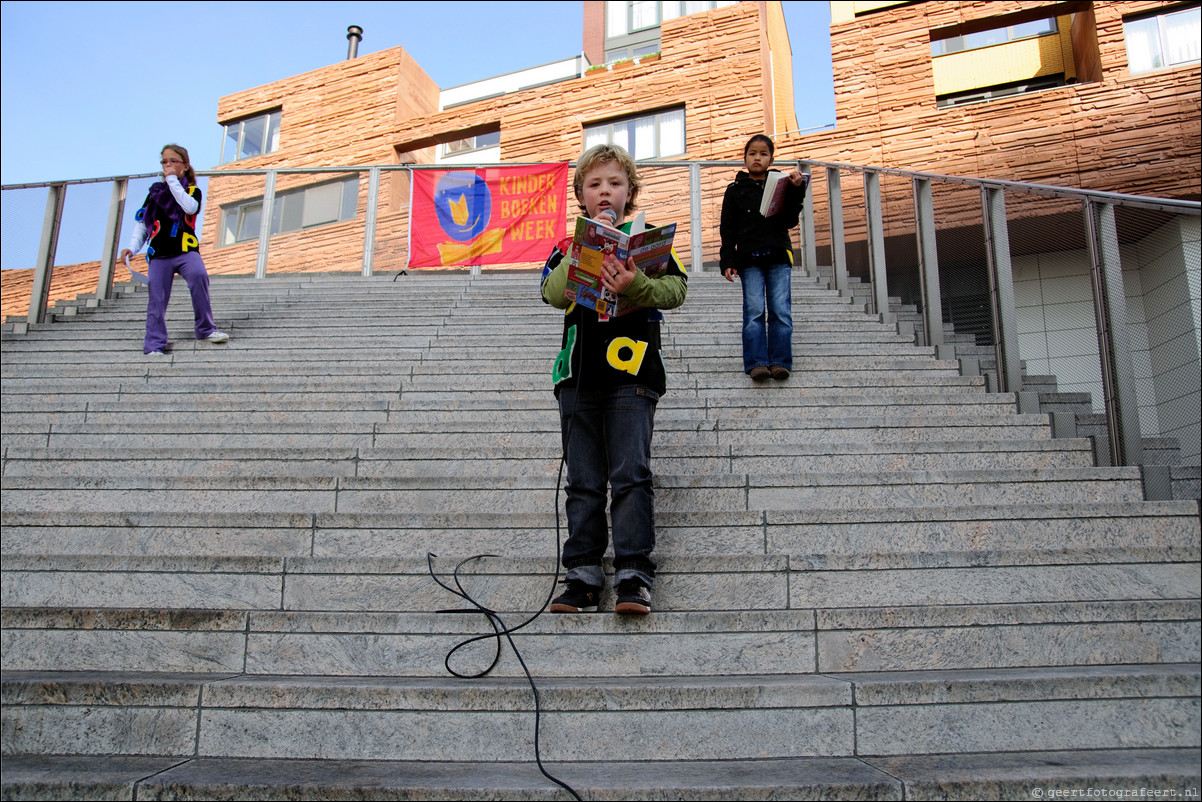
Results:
[776, 184]
[651, 250]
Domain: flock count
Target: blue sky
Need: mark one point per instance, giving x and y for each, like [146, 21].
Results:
[93, 89]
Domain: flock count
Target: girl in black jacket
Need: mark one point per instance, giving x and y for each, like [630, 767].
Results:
[759, 250]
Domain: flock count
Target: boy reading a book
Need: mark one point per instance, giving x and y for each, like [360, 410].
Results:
[608, 378]
[759, 251]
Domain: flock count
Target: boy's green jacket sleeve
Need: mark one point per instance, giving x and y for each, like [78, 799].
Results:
[666, 292]
[555, 284]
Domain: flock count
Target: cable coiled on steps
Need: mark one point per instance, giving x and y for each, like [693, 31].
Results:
[498, 625]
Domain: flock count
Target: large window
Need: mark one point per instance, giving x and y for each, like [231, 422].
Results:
[994, 36]
[649, 136]
[292, 210]
[1163, 40]
[253, 136]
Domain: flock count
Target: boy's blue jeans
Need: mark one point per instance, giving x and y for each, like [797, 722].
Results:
[610, 442]
[767, 316]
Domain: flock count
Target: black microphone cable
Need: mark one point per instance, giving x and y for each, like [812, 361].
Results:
[498, 625]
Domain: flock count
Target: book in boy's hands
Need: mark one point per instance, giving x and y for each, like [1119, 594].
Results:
[651, 250]
[776, 184]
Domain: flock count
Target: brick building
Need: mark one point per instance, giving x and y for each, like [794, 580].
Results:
[668, 87]
[1027, 91]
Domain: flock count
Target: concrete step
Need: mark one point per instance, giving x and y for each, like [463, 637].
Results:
[713, 643]
[990, 775]
[295, 396]
[536, 461]
[895, 537]
[816, 539]
[751, 717]
[686, 583]
[366, 433]
[209, 409]
[528, 494]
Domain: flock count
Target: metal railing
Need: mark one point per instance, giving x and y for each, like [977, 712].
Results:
[939, 243]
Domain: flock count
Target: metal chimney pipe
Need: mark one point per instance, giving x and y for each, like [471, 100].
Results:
[354, 35]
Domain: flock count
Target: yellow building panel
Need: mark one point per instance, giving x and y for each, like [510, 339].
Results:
[1000, 64]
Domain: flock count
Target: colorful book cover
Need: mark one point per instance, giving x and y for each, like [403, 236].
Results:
[651, 250]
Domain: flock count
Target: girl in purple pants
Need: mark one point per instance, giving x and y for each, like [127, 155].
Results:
[166, 224]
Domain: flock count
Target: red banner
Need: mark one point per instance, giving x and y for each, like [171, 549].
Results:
[486, 215]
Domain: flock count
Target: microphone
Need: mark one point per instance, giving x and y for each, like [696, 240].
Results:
[607, 216]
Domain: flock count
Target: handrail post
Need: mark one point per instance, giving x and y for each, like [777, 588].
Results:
[928, 261]
[809, 249]
[695, 250]
[112, 239]
[369, 227]
[265, 224]
[834, 194]
[39, 294]
[1001, 289]
[876, 245]
[1114, 343]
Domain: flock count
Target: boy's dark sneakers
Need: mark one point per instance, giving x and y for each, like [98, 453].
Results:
[579, 597]
[634, 598]
[759, 373]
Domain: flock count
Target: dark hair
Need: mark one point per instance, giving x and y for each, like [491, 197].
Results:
[189, 173]
[760, 138]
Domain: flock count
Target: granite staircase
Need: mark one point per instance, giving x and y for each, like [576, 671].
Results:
[877, 581]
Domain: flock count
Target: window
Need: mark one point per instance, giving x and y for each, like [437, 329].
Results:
[650, 136]
[1163, 40]
[251, 137]
[293, 210]
[1004, 90]
[478, 142]
[632, 26]
[994, 36]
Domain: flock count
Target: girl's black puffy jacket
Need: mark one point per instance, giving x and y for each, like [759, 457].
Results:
[747, 236]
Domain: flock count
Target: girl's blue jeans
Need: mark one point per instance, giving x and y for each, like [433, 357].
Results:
[607, 440]
[767, 316]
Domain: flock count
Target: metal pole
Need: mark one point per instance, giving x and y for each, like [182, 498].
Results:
[834, 194]
[928, 261]
[695, 251]
[1001, 289]
[265, 225]
[1114, 343]
[39, 294]
[112, 239]
[369, 228]
[876, 245]
[809, 249]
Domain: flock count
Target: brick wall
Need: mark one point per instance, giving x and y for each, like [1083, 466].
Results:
[344, 114]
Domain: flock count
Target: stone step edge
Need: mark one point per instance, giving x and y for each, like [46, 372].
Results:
[425, 520]
[887, 688]
[457, 620]
[535, 567]
[1013, 775]
[523, 482]
[537, 452]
